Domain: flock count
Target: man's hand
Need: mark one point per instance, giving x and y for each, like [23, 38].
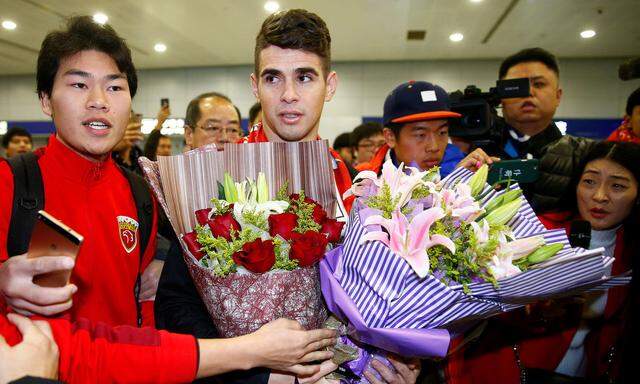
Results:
[476, 159]
[150, 280]
[37, 355]
[163, 115]
[284, 345]
[21, 294]
[326, 368]
[133, 133]
[406, 371]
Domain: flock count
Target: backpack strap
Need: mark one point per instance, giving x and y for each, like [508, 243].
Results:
[144, 207]
[28, 199]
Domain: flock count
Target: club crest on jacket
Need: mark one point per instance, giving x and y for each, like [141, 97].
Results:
[128, 230]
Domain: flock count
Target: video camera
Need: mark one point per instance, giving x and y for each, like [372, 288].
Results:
[479, 123]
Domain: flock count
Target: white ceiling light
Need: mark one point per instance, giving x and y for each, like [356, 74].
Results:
[160, 47]
[476, 1]
[587, 34]
[100, 18]
[271, 6]
[455, 37]
[8, 24]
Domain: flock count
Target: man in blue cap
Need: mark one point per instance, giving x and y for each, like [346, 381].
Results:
[416, 129]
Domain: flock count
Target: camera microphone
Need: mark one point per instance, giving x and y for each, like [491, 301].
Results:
[580, 234]
[630, 69]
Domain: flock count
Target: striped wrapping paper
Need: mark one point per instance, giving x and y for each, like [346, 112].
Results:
[389, 295]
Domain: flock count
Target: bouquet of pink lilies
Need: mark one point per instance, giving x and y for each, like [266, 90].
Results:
[423, 256]
[458, 231]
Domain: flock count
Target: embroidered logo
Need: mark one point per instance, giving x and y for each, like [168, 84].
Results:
[128, 230]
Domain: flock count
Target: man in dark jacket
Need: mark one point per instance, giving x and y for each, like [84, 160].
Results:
[530, 133]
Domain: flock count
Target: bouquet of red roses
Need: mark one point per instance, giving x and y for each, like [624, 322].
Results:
[259, 256]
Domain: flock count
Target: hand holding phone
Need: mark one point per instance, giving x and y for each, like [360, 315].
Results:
[50, 237]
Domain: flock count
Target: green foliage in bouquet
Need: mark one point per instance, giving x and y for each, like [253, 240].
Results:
[466, 263]
[384, 201]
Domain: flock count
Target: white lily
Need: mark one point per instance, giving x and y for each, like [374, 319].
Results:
[522, 247]
[481, 231]
[501, 266]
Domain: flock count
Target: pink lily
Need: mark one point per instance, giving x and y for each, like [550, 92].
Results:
[400, 182]
[410, 240]
[459, 203]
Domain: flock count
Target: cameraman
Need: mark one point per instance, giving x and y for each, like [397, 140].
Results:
[530, 133]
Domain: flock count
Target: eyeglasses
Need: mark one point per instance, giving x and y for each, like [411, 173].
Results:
[371, 144]
[214, 130]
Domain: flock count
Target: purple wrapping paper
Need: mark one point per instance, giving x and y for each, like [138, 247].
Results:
[420, 343]
[362, 364]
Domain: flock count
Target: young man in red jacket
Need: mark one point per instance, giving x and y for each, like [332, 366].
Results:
[85, 81]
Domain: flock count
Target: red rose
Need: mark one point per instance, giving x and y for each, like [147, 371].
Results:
[221, 225]
[202, 215]
[332, 228]
[283, 224]
[191, 239]
[308, 248]
[319, 214]
[257, 256]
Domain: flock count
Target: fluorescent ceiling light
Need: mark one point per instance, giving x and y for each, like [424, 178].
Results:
[271, 6]
[456, 37]
[587, 34]
[8, 24]
[100, 18]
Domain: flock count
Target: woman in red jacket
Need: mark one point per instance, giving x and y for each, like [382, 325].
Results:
[572, 340]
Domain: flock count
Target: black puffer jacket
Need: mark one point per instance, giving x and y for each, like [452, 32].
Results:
[558, 155]
[558, 162]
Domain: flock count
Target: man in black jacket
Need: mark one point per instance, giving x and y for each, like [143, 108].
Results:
[530, 133]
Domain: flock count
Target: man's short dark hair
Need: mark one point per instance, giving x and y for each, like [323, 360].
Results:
[527, 56]
[82, 34]
[295, 29]
[15, 131]
[365, 131]
[254, 111]
[343, 140]
[193, 109]
[633, 101]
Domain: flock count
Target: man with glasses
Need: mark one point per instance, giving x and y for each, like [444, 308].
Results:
[366, 140]
[211, 119]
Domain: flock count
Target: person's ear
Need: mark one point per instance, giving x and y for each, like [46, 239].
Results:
[332, 85]
[389, 137]
[45, 104]
[254, 85]
[188, 136]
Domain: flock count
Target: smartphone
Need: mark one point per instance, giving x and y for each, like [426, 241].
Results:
[50, 237]
[521, 171]
[164, 103]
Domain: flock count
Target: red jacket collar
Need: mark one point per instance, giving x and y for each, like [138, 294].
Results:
[71, 164]
[258, 135]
